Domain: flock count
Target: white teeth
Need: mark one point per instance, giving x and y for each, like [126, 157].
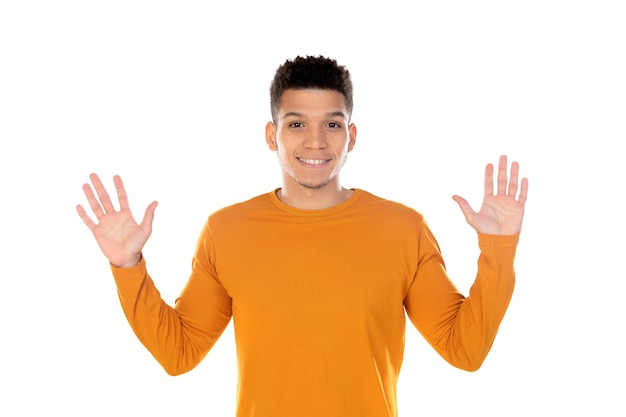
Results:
[312, 161]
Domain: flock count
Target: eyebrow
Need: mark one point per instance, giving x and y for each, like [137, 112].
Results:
[330, 114]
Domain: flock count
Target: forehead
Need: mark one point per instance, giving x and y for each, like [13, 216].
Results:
[312, 102]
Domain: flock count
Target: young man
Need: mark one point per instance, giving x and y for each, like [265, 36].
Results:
[318, 278]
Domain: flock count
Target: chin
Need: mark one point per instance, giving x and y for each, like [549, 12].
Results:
[314, 185]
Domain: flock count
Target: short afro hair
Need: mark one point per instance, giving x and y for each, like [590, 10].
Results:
[316, 72]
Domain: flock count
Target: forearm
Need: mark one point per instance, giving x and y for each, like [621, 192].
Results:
[480, 314]
[178, 343]
[462, 329]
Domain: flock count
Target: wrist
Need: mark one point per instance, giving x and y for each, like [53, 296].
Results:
[130, 263]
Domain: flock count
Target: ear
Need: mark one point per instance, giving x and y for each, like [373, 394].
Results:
[270, 135]
[352, 134]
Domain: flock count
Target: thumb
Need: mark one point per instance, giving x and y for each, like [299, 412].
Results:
[148, 218]
[464, 206]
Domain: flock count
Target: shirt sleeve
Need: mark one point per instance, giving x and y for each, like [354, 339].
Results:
[462, 329]
[178, 337]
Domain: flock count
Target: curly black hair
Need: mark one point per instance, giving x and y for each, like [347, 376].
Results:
[310, 72]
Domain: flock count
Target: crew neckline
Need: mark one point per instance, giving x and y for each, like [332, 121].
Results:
[356, 194]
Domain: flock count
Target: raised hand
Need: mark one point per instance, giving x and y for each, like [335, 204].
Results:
[502, 213]
[119, 236]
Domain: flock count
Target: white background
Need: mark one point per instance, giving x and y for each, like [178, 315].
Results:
[173, 96]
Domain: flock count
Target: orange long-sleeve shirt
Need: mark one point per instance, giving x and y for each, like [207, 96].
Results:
[318, 299]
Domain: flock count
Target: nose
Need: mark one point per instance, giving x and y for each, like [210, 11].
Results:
[315, 138]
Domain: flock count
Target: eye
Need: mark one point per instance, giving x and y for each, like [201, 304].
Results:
[334, 125]
[295, 124]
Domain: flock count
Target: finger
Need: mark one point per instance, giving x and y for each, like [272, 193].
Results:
[105, 200]
[467, 210]
[121, 192]
[93, 201]
[523, 194]
[513, 182]
[489, 179]
[146, 223]
[502, 177]
[86, 219]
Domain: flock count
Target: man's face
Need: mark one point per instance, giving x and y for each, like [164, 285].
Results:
[312, 137]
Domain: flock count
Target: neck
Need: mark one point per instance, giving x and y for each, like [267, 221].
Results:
[304, 198]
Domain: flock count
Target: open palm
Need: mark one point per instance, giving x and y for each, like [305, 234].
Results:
[119, 236]
[501, 213]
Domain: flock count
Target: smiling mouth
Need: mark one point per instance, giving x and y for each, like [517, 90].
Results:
[312, 161]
